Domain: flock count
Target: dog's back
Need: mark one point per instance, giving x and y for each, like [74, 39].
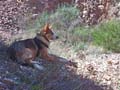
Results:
[23, 51]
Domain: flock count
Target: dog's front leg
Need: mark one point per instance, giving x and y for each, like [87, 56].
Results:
[45, 55]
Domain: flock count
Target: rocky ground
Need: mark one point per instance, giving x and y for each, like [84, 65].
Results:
[89, 69]
[95, 64]
[83, 70]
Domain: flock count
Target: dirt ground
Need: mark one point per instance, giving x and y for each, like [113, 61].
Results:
[86, 70]
[89, 69]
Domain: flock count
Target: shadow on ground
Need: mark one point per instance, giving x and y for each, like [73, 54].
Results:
[57, 75]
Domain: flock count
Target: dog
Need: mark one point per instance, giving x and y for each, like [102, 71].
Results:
[25, 51]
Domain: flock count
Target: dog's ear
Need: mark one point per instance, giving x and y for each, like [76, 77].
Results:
[50, 26]
[47, 27]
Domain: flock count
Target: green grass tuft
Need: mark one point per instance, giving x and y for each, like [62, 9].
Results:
[107, 35]
[36, 87]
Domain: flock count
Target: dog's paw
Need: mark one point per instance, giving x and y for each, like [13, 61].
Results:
[39, 67]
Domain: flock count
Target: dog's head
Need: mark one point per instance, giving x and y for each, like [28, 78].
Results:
[48, 33]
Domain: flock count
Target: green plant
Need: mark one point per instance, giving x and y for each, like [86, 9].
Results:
[36, 87]
[79, 46]
[80, 37]
[83, 33]
[25, 79]
[107, 35]
[65, 14]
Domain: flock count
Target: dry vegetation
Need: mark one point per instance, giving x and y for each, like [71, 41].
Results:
[94, 68]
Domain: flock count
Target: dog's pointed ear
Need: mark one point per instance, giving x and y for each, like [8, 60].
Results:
[50, 26]
[46, 27]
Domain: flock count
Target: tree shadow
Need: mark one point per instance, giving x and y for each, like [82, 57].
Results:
[61, 75]
[58, 75]
[3, 48]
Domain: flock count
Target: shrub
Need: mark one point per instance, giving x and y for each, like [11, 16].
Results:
[80, 37]
[65, 14]
[107, 35]
[62, 16]
[83, 33]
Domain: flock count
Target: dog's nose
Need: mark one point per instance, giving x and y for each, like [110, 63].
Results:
[57, 37]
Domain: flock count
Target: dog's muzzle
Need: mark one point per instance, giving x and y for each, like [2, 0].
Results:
[57, 37]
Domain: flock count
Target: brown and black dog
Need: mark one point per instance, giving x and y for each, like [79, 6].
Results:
[25, 51]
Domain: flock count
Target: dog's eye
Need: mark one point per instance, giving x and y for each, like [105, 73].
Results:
[52, 33]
